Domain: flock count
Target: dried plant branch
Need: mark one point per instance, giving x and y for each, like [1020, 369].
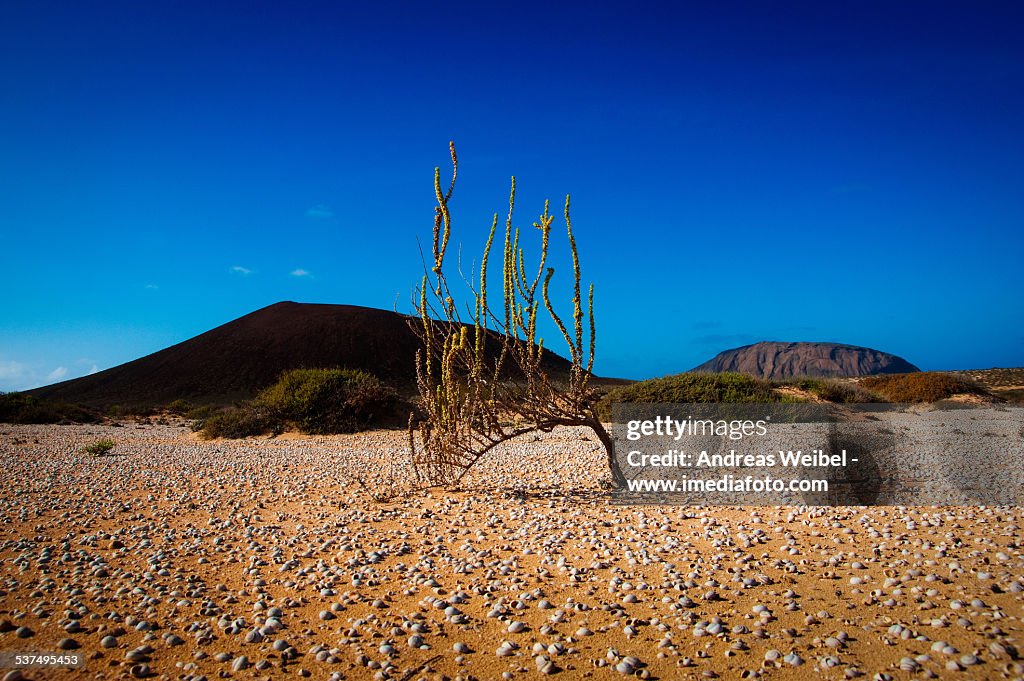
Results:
[474, 400]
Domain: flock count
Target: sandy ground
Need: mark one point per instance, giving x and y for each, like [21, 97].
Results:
[266, 559]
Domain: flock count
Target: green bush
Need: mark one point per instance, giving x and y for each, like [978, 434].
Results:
[321, 401]
[923, 386]
[236, 422]
[199, 415]
[831, 390]
[138, 411]
[1011, 395]
[180, 407]
[313, 401]
[100, 447]
[22, 408]
[691, 388]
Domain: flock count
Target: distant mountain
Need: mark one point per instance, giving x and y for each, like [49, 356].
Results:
[772, 360]
[238, 359]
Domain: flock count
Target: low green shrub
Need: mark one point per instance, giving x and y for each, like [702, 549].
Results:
[100, 447]
[198, 415]
[923, 386]
[180, 407]
[831, 390]
[1015, 395]
[138, 411]
[322, 401]
[22, 408]
[236, 422]
[313, 401]
[693, 387]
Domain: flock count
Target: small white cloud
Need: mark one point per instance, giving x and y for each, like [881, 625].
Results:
[319, 212]
[93, 369]
[57, 374]
[11, 370]
[301, 273]
[244, 271]
[151, 287]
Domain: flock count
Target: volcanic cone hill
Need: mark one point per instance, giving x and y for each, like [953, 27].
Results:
[238, 359]
[780, 361]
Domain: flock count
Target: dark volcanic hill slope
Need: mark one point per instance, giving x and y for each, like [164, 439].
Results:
[773, 360]
[236, 360]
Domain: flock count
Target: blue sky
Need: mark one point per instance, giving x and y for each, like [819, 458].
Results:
[844, 172]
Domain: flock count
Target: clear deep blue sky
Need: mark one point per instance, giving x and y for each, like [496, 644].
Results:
[847, 172]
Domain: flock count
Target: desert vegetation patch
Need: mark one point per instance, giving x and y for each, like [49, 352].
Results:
[312, 401]
[925, 386]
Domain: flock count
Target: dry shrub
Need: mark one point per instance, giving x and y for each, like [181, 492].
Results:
[472, 400]
[923, 386]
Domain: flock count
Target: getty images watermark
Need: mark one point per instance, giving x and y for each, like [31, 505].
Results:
[819, 454]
